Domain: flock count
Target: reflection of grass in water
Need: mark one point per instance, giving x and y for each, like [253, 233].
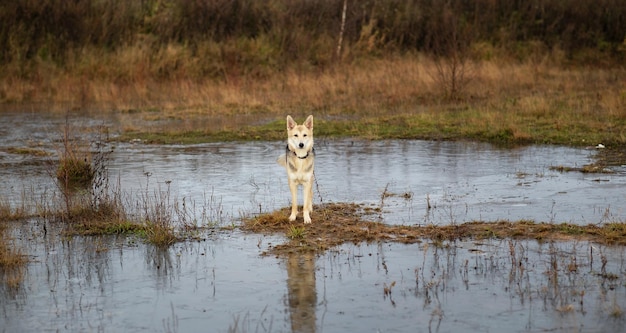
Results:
[12, 261]
[545, 272]
[10, 213]
[615, 310]
[347, 223]
[551, 275]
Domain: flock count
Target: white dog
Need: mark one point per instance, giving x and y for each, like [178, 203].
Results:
[299, 161]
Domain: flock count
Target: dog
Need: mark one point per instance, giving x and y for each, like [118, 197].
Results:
[299, 160]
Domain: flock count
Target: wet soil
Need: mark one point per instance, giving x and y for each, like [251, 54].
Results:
[340, 223]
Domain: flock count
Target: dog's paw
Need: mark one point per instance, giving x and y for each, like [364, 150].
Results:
[292, 217]
[307, 219]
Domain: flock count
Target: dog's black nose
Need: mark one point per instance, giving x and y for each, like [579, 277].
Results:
[301, 145]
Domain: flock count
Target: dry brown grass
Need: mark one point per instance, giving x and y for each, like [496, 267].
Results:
[12, 260]
[510, 102]
[368, 86]
[12, 212]
[340, 223]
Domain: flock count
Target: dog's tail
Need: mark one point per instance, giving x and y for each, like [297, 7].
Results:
[282, 160]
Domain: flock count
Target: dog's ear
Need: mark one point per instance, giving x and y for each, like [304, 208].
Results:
[290, 123]
[309, 122]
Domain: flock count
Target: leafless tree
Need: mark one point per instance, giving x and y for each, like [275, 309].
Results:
[450, 40]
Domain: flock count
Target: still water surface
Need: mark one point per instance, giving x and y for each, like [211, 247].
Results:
[119, 284]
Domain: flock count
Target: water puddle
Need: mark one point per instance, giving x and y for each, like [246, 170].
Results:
[114, 284]
[222, 282]
[415, 182]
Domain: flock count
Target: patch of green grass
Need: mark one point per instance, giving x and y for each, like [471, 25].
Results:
[158, 234]
[104, 227]
[122, 227]
[296, 232]
[27, 151]
[571, 229]
[619, 228]
[267, 132]
[479, 123]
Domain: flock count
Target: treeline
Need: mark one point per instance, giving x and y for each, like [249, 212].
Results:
[280, 32]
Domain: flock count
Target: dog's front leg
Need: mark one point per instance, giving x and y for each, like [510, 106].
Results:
[293, 187]
[307, 206]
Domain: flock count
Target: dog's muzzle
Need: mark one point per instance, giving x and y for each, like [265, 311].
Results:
[312, 151]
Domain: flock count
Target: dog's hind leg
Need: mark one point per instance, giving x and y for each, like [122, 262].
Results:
[293, 187]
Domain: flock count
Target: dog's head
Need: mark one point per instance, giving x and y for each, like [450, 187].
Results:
[300, 137]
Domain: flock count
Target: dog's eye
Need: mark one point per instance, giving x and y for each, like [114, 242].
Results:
[303, 134]
[296, 135]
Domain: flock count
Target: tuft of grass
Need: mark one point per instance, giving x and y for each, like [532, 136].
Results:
[570, 229]
[296, 232]
[75, 172]
[160, 234]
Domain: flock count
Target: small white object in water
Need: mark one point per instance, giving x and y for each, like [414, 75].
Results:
[600, 146]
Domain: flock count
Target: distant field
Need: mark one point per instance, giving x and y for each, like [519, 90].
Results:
[187, 71]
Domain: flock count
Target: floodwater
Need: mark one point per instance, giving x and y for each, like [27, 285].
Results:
[222, 283]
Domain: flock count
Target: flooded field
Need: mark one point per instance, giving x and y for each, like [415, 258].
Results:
[220, 282]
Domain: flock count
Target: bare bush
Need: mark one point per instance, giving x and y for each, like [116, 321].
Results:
[449, 44]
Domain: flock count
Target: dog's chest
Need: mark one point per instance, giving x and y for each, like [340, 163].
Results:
[300, 170]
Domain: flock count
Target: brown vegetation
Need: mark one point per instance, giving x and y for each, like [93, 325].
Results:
[127, 55]
[229, 38]
[513, 72]
[340, 223]
[12, 260]
[91, 207]
[604, 161]
[396, 98]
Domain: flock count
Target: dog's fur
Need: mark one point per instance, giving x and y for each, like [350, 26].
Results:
[299, 159]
